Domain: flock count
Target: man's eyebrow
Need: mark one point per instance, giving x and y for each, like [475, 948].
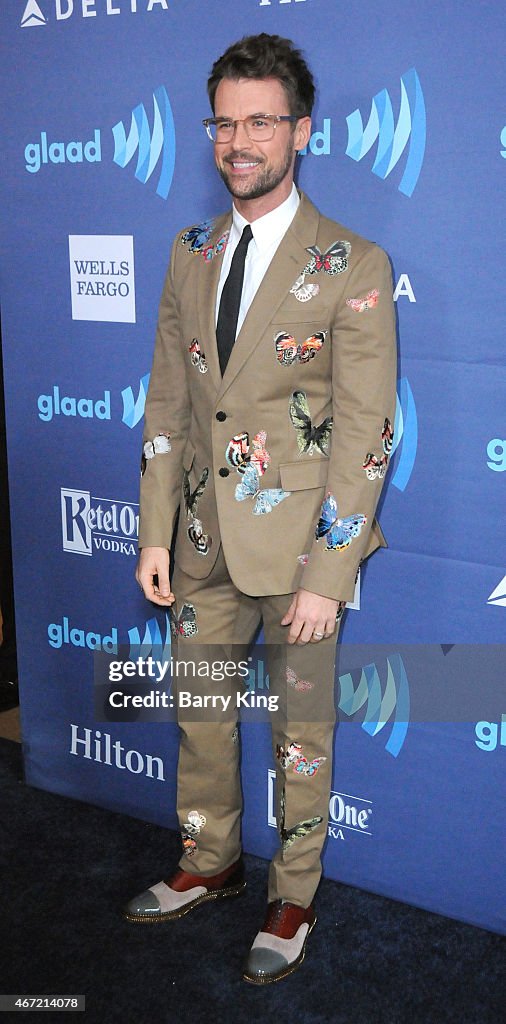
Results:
[225, 117]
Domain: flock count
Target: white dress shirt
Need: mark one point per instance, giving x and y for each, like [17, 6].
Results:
[267, 234]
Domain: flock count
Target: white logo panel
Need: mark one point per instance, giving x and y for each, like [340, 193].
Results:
[102, 278]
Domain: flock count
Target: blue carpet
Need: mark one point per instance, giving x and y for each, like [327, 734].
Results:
[69, 867]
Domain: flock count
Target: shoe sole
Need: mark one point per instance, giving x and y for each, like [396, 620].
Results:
[172, 915]
[269, 979]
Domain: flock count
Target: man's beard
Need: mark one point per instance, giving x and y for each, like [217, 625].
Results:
[266, 181]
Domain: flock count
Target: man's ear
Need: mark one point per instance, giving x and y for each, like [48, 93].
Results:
[302, 133]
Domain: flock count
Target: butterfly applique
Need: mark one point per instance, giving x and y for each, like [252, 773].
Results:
[304, 292]
[239, 456]
[189, 844]
[184, 624]
[309, 438]
[375, 468]
[200, 540]
[293, 758]
[368, 302]
[198, 357]
[333, 261]
[193, 826]
[160, 445]
[301, 685]
[339, 533]
[264, 501]
[210, 251]
[387, 436]
[288, 351]
[195, 823]
[197, 236]
[303, 828]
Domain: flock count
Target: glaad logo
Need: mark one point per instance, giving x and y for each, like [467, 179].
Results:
[133, 408]
[32, 15]
[151, 145]
[161, 141]
[405, 430]
[87, 408]
[380, 705]
[61, 633]
[100, 524]
[58, 404]
[102, 278]
[498, 595]
[153, 642]
[496, 451]
[392, 138]
[489, 733]
[343, 814]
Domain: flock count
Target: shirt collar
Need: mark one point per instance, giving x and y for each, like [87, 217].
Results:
[272, 226]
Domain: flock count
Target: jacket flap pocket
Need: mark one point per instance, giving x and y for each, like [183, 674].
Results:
[300, 476]
[188, 456]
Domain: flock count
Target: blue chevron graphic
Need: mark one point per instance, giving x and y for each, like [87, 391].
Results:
[405, 430]
[133, 408]
[160, 142]
[392, 138]
[380, 706]
[153, 643]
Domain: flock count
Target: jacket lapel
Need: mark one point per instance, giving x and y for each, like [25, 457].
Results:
[207, 286]
[287, 264]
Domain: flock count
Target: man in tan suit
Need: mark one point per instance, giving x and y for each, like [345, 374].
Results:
[269, 425]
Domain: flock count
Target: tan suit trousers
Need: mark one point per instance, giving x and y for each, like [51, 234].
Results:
[209, 797]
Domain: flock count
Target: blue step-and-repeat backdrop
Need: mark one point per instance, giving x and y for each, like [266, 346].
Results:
[104, 160]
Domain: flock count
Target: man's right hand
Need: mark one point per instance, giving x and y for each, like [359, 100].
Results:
[155, 562]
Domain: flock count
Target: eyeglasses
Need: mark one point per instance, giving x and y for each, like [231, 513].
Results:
[258, 127]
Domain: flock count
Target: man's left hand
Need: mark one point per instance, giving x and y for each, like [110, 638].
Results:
[311, 617]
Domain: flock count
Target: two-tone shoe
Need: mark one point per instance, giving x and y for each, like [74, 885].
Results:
[182, 892]
[280, 945]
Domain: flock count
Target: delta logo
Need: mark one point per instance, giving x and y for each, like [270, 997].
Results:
[498, 596]
[33, 15]
[154, 145]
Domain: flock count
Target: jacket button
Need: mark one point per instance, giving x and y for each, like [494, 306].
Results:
[221, 416]
[224, 471]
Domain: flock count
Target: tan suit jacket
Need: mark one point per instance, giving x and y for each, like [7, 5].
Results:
[352, 378]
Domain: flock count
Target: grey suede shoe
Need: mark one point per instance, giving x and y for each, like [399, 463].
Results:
[167, 901]
[280, 946]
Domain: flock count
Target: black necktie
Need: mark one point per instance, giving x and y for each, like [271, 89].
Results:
[230, 301]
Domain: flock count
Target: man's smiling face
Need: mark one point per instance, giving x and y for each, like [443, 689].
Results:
[257, 173]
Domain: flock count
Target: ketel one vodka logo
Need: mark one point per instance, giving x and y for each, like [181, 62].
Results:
[347, 813]
[98, 524]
